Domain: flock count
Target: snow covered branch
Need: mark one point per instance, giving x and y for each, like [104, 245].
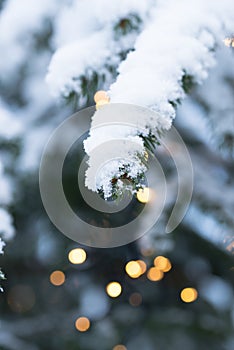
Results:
[156, 68]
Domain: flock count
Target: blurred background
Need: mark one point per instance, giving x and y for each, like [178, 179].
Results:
[164, 291]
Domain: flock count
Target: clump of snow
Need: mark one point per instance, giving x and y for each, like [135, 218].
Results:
[89, 44]
[10, 127]
[6, 225]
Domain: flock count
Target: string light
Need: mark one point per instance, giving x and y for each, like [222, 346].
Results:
[188, 295]
[114, 289]
[162, 263]
[119, 347]
[135, 299]
[143, 195]
[57, 278]
[101, 96]
[77, 256]
[82, 324]
[133, 269]
[154, 274]
[142, 265]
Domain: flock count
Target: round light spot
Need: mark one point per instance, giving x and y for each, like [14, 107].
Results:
[82, 324]
[77, 256]
[101, 96]
[143, 195]
[154, 274]
[135, 299]
[114, 289]
[188, 295]
[57, 278]
[162, 263]
[119, 347]
[101, 103]
[133, 269]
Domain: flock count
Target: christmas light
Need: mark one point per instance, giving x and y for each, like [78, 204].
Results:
[77, 256]
[188, 295]
[101, 96]
[57, 278]
[101, 103]
[21, 298]
[154, 274]
[142, 265]
[143, 195]
[82, 324]
[119, 347]
[114, 289]
[133, 269]
[162, 263]
[135, 299]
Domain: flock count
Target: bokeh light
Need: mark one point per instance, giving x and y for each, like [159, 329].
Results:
[133, 269]
[143, 266]
[77, 256]
[82, 324]
[154, 274]
[135, 299]
[101, 103]
[143, 195]
[57, 278]
[21, 298]
[188, 295]
[162, 263]
[114, 289]
[101, 96]
[119, 347]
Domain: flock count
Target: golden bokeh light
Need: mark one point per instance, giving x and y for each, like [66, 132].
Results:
[142, 265]
[144, 195]
[101, 103]
[77, 256]
[114, 289]
[162, 263]
[188, 295]
[57, 278]
[154, 274]
[119, 347]
[82, 324]
[101, 96]
[135, 299]
[133, 269]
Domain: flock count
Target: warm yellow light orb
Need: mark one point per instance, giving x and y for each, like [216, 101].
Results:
[77, 256]
[143, 195]
[101, 95]
[188, 295]
[101, 103]
[162, 263]
[57, 278]
[119, 347]
[154, 274]
[82, 324]
[133, 269]
[114, 289]
[143, 266]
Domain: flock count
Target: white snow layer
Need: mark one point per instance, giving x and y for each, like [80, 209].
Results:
[178, 39]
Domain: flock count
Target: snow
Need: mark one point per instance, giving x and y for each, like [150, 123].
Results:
[88, 44]
[10, 127]
[17, 20]
[6, 225]
[152, 74]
